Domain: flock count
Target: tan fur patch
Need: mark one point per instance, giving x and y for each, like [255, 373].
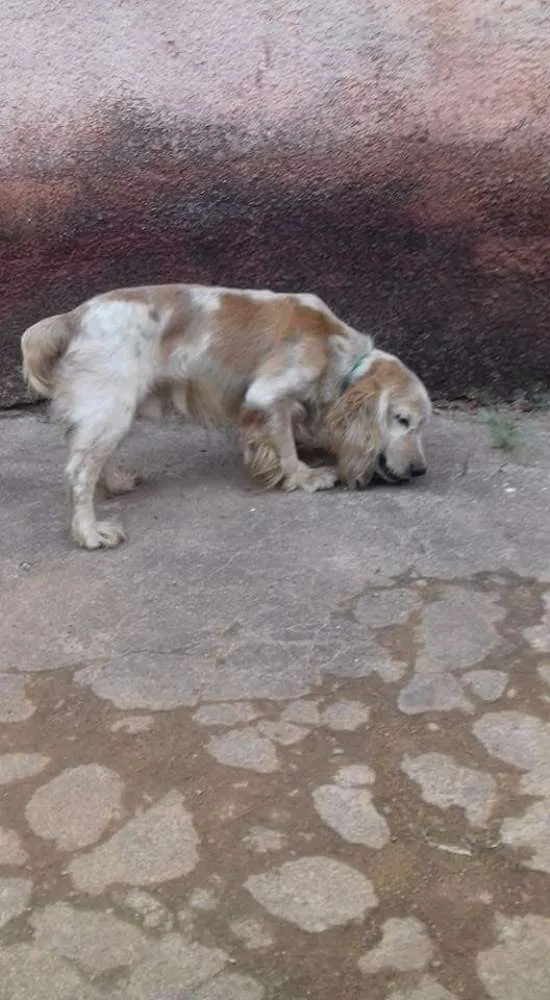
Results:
[251, 332]
[386, 373]
[178, 299]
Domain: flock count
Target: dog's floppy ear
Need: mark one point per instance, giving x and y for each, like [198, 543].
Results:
[353, 429]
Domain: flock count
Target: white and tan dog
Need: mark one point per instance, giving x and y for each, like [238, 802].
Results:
[282, 368]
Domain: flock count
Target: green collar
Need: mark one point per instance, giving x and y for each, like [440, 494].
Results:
[349, 378]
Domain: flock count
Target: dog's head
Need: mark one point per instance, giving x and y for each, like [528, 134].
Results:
[376, 424]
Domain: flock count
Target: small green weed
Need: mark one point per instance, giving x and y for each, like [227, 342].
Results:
[503, 430]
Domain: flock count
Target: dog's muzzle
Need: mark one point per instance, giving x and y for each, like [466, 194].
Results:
[390, 476]
[384, 471]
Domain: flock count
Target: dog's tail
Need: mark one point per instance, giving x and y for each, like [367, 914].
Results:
[42, 346]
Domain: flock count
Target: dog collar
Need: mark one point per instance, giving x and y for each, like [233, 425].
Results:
[355, 371]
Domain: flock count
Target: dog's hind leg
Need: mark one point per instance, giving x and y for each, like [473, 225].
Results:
[94, 435]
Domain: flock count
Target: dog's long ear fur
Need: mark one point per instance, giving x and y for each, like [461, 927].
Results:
[353, 430]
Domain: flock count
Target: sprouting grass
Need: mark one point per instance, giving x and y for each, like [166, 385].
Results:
[541, 402]
[504, 432]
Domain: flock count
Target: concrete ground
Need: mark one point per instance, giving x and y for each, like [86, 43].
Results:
[277, 747]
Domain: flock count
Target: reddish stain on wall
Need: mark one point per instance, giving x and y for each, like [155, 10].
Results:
[441, 252]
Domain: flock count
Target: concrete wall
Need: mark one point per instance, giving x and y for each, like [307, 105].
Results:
[391, 155]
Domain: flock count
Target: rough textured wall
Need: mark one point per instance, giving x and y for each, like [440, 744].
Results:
[390, 155]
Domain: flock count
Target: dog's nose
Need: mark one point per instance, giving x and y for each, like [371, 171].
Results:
[418, 470]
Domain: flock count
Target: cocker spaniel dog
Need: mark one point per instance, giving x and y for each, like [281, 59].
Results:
[281, 368]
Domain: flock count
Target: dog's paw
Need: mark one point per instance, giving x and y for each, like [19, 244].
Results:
[117, 480]
[102, 535]
[311, 480]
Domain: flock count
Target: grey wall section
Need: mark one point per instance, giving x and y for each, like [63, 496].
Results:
[391, 157]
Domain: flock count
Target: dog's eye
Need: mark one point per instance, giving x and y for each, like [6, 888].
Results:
[404, 421]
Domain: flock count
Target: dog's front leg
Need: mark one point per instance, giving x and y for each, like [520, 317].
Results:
[296, 474]
[269, 443]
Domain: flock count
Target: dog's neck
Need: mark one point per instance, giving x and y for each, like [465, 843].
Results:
[351, 357]
[359, 367]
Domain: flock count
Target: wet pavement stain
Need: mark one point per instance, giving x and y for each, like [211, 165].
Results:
[434, 867]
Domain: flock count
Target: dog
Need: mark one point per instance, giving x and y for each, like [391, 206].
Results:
[281, 368]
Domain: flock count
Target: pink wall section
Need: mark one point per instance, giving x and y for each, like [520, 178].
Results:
[467, 69]
[393, 156]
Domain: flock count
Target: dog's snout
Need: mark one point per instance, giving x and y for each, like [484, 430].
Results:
[418, 470]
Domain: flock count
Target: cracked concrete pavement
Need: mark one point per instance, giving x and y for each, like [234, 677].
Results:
[277, 747]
